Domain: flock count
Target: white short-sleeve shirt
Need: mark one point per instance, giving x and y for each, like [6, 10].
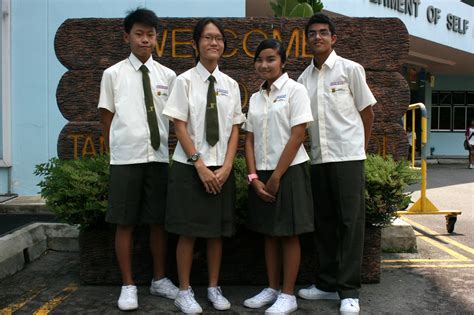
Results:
[470, 135]
[121, 92]
[272, 115]
[187, 102]
[338, 92]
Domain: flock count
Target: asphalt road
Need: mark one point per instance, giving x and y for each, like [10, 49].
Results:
[450, 187]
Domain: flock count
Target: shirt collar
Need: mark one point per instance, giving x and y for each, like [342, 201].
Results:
[136, 63]
[204, 74]
[278, 84]
[330, 61]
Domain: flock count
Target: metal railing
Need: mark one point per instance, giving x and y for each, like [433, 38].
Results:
[423, 205]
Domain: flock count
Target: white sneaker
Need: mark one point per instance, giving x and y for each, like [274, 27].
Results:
[471, 166]
[285, 304]
[214, 295]
[164, 287]
[313, 293]
[128, 298]
[265, 297]
[186, 303]
[349, 307]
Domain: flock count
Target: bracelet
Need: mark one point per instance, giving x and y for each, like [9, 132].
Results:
[251, 177]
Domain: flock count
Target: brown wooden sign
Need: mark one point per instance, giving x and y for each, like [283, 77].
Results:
[87, 46]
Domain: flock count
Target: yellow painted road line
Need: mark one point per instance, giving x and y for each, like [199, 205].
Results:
[444, 248]
[54, 302]
[458, 257]
[429, 266]
[440, 237]
[418, 260]
[30, 295]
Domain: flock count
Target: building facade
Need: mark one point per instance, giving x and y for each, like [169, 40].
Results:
[440, 65]
[439, 68]
[30, 118]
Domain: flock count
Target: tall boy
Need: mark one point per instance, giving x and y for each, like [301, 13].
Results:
[133, 93]
[341, 103]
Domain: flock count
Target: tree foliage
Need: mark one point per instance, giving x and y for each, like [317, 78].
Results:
[296, 8]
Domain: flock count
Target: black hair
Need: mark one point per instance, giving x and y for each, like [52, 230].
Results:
[273, 44]
[140, 15]
[199, 28]
[320, 18]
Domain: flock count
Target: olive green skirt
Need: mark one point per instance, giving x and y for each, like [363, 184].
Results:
[191, 211]
[291, 213]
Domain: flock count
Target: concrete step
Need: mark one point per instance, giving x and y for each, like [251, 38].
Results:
[399, 238]
[24, 205]
[24, 245]
[10, 222]
[443, 160]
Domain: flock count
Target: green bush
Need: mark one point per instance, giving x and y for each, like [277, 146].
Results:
[386, 182]
[76, 190]
[240, 169]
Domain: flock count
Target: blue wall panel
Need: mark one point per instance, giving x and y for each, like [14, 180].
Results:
[29, 102]
[36, 120]
[58, 12]
[187, 8]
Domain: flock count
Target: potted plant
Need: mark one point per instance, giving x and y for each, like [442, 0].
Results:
[385, 194]
[76, 191]
[386, 183]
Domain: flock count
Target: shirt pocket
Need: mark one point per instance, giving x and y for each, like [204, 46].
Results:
[160, 96]
[279, 111]
[341, 97]
[225, 104]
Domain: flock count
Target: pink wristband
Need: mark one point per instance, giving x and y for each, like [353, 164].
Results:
[251, 177]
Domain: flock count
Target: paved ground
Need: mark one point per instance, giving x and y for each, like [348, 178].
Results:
[439, 279]
[52, 284]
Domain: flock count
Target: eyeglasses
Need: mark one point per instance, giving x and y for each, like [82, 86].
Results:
[322, 33]
[210, 38]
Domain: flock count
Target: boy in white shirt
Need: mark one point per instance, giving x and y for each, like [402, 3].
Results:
[342, 103]
[133, 93]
